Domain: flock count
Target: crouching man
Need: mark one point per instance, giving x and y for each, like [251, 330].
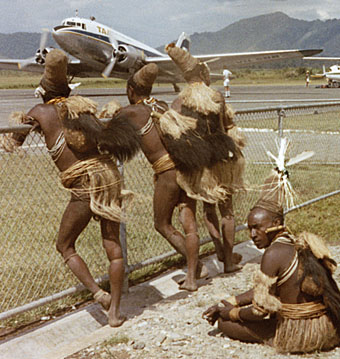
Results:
[295, 302]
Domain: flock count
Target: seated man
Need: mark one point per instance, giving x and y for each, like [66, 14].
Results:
[295, 302]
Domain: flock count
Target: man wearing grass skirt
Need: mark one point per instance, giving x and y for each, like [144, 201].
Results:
[295, 302]
[85, 151]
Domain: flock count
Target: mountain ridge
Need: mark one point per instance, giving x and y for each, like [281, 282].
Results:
[274, 31]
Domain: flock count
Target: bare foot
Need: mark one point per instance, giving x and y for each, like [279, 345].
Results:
[231, 268]
[191, 287]
[103, 298]
[218, 249]
[237, 258]
[202, 271]
[116, 321]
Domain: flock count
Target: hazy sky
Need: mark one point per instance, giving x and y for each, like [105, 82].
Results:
[156, 22]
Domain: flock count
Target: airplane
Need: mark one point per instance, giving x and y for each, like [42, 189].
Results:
[332, 76]
[95, 49]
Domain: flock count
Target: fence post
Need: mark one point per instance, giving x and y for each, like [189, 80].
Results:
[122, 237]
[281, 114]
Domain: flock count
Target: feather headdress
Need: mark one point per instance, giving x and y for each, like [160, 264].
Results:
[277, 192]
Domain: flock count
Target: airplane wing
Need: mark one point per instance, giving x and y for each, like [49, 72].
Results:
[217, 61]
[322, 58]
[75, 67]
[168, 72]
[231, 60]
[13, 64]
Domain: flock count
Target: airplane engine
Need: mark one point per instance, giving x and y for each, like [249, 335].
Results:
[40, 55]
[129, 57]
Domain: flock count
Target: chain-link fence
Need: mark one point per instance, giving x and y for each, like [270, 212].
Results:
[32, 202]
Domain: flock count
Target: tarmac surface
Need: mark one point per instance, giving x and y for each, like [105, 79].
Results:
[242, 97]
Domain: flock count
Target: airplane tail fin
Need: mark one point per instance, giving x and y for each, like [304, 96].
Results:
[183, 41]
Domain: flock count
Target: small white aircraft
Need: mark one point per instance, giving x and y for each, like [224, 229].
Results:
[96, 49]
[332, 76]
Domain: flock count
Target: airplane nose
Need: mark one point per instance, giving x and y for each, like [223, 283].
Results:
[54, 33]
[58, 35]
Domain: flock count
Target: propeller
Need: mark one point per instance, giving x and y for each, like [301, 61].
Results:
[212, 60]
[115, 52]
[39, 56]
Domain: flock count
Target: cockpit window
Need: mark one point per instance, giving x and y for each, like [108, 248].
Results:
[72, 23]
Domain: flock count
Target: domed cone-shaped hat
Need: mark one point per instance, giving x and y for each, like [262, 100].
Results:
[146, 76]
[54, 79]
[182, 58]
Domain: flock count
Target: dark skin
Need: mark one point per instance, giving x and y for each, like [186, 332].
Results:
[76, 217]
[167, 193]
[276, 259]
[224, 250]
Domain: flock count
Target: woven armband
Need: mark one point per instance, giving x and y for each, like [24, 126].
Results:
[232, 300]
[234, 315]
[258, 311]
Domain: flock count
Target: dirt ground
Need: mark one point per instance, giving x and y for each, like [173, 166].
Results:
[173, 328]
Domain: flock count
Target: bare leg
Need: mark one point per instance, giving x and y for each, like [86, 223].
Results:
[228, 234]
[211, 222]
[166, 197]
[227, 91]
[188, 220]
[111, 243]
[252, 332]
[76, 217]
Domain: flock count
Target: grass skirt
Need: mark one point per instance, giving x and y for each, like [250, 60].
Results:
[213, 184]
[305, 329]
[101, 180]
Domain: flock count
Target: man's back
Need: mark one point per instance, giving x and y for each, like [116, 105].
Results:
[138, 116]
[226, 74]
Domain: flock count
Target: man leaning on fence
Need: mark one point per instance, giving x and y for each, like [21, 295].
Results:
[209, 137]
[143, 114]
[295, 302]
[73, 135]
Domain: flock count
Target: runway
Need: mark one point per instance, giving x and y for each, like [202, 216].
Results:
[242, 97]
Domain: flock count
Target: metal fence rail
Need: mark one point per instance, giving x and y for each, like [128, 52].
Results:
[32, 202]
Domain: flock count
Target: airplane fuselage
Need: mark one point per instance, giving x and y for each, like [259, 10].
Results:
[94, 43]
[334, 74]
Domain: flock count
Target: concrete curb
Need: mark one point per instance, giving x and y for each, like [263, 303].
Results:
[75, 331]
